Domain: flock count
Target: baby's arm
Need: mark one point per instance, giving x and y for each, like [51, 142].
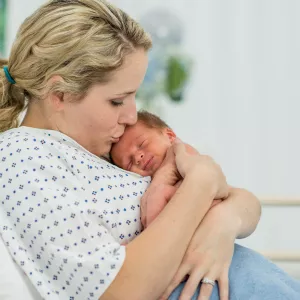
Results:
[158, 195]
[154, 201]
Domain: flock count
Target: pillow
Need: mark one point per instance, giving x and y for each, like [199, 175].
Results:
[14, 284]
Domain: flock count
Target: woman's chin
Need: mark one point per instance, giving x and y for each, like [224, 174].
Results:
[103, 150]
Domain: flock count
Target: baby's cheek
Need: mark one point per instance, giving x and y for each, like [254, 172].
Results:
[116, 159]
[136, 170]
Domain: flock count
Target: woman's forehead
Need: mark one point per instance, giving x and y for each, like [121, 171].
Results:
[130, 75]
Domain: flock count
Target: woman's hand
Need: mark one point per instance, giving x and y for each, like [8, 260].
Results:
[208, 172]
[208, 255]
[181, 160]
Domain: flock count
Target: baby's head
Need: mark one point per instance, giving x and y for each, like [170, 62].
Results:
[143, 146]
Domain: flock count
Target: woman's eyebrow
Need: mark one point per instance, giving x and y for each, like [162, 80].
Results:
[125, 93]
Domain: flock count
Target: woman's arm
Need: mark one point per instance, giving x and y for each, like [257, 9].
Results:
[153, 258]
[211, 248]
[243, 209]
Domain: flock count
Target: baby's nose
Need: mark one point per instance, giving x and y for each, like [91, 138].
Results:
[138, 158]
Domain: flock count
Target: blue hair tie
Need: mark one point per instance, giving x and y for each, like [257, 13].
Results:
[8, 76]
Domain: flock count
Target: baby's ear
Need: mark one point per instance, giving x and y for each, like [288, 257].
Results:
[170, 134]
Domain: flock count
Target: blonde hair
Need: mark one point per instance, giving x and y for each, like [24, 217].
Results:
[83, 41]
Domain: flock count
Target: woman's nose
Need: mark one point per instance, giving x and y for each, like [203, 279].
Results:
[129, 115]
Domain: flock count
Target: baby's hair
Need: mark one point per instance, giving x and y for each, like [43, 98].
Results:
[151, 121]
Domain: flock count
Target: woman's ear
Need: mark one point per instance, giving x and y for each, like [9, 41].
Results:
[56, 98]
[170, 134]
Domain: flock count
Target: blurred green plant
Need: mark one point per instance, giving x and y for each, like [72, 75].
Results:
[176, 78]
[167, 76]
[169, 67]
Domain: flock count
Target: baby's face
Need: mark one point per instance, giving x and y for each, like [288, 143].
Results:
[141, 149]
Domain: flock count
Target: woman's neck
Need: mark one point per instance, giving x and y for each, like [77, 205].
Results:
[36, 117]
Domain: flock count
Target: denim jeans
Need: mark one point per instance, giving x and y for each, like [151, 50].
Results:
[253, 277]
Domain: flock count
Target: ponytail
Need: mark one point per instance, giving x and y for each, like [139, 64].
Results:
[12, 100]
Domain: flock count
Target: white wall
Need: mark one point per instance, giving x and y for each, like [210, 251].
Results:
[242, 105]
[243, 102]
[18, 10]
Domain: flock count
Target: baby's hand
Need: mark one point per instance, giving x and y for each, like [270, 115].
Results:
[167, 174]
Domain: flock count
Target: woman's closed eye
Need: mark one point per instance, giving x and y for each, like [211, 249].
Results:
[117, 102]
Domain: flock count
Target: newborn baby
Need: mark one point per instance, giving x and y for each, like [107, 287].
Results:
[142, 149]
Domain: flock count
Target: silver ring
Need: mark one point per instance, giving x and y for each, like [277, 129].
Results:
[208, 281]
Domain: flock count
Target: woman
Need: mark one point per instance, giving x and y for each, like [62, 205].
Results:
[76, 66]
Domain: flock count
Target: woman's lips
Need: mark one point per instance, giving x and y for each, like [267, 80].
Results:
[115, 140]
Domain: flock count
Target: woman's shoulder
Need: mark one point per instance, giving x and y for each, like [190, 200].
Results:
[40, 142]
[27, 135]
[33, 147]
[45, 150]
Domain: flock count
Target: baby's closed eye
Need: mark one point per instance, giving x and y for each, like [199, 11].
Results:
[141, 144]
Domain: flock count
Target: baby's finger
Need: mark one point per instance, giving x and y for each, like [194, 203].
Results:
[179, 148]
[177, 140]
[170, 157]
